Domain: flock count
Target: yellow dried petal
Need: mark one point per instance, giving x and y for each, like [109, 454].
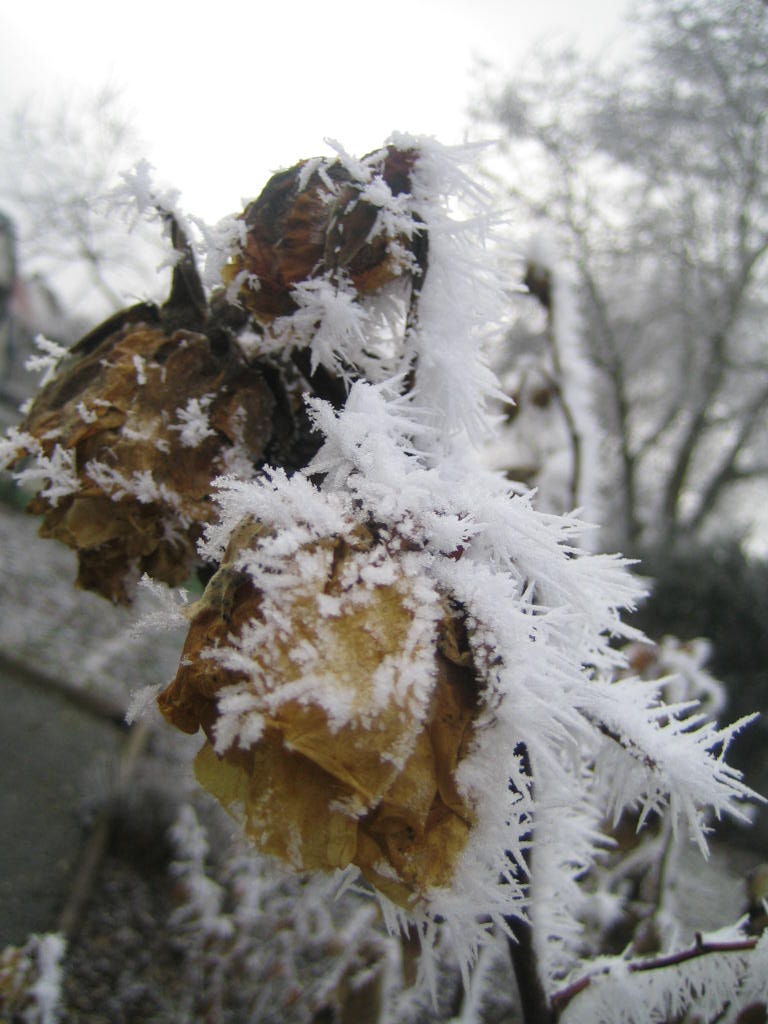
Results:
[377, 869]
[409, 799]
[450, 730]
[351, 766]
[285, 803]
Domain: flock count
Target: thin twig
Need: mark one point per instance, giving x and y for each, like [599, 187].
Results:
[561, 999]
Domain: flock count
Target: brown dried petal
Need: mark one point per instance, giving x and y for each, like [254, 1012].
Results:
[419, 862]
[122, 404]
[297, 230]
[450, 730]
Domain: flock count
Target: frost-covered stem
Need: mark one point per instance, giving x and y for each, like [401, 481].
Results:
[412, 316]
[534, 1005]
[624, 743]
[608, 360]
[570, 421]
[663, 866]
[561, 999]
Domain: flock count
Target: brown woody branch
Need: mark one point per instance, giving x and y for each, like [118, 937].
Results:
[535, 1007]
[560, 1000]
[728, 469]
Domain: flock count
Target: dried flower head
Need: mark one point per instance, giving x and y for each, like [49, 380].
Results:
[327, 217]
[338, 698]
[125, 440]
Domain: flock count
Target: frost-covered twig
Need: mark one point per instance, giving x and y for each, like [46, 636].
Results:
[561, 999]
[534, 1005]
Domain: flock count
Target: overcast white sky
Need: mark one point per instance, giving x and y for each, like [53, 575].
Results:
[224, 93]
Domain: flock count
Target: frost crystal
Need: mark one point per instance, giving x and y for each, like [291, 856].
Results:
[193, 424]
[47, 361]
[54, 474]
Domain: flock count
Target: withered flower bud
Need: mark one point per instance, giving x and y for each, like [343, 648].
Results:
[337, 698]
[315, 218]
[138, 422]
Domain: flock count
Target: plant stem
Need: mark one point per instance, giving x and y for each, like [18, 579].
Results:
[534, 1005]
[561, 999]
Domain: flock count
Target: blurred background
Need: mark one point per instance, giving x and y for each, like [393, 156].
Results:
[627, 149]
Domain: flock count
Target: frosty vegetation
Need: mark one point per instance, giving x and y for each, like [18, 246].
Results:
[56, 167]
[649, 173]
[355, 597]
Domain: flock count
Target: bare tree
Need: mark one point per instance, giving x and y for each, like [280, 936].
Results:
[653, 175]
[56, 169]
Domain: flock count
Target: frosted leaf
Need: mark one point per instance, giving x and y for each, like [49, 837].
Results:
[87, 415]
[293, 503]
[240, 722]
[329, 321]
[541, 614]
[357, 168]
[140, 484]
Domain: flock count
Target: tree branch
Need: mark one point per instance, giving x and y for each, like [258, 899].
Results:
[714, 375]
[727, 469]
[614, 372]
[560, 1000]
[749, 472]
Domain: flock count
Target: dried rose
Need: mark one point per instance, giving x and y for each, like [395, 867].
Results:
[127, 438]
[316, 218]
[337, 701]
